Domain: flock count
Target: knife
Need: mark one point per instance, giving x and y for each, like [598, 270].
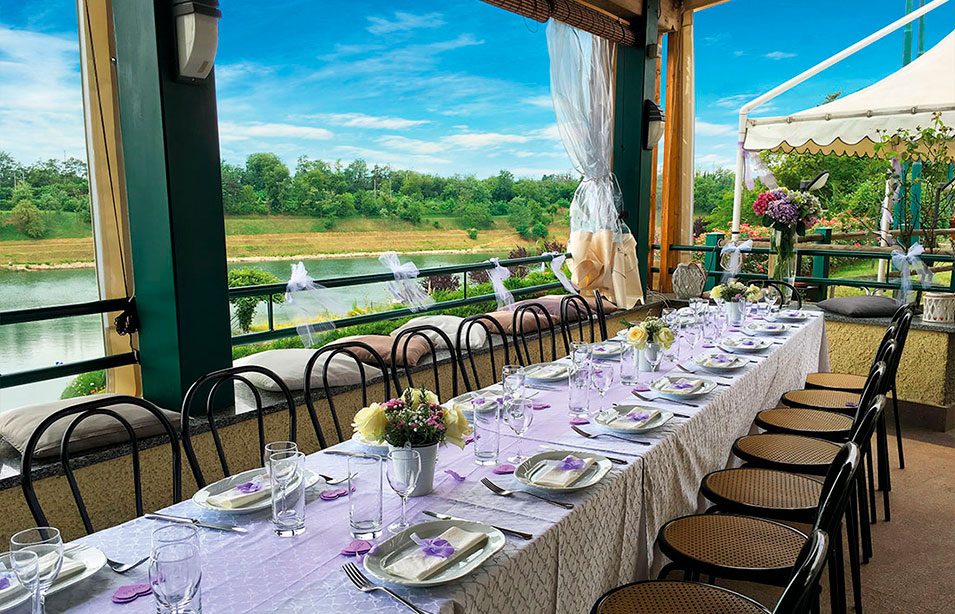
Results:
[347, 453]
[520, 534]
[195, 521]
[616, 461]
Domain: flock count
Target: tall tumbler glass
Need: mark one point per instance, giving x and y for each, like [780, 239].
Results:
[175, 573]
[487, 430]
[629, 365]
[364, 495]
[272, 448]
[48, 546]
[287, 472]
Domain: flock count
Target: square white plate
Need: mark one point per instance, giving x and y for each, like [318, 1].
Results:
[737, 363]
[526, 471]
[734, 344]
[765, 328]
[606, 418]
[708, 387]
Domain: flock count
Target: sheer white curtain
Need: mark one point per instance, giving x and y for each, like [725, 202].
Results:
[581, 83]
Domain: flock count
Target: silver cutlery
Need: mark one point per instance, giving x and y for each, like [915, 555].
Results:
[332, 481]
[195, 521]
[364, 585]
[539, 387]
[584, 433]
[616, 461]
[662, 400]
[116, 566]
[513, 532]
[497, 490]
[346, 453]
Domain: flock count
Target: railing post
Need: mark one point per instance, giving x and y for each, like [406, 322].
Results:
[820, 264]
[711, 259]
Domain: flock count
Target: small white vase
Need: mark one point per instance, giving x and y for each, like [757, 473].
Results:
[429, 458]
[734, 312]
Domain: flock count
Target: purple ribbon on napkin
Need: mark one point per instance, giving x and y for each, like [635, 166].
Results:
[639, 416]
[4, 582]
[131, 592]
[250, 487]
[682, 385]
[434, 547]
[454, 474]
[570, 464]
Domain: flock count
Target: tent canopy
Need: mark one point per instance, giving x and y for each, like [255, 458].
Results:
[850, 126]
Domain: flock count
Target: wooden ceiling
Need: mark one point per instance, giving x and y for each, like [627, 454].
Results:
[669, 9]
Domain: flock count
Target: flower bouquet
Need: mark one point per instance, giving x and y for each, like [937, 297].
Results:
[788, 213]
[651, 336]
[733, 294]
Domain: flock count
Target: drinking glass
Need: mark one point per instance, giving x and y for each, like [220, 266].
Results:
[26, 566]
[287, 471]
[772, 298]
[698, 305]
[175, 534]
[629, 367]
[519, 415]
[512, 381]
[601, 378]
[654, 353]
[580, 355]
[364, 495]
[175, 572]
[272, 448]
[48, 546]
[487, 430]
[404, 467]
[691, 337]
[579, 386]
[668, 315]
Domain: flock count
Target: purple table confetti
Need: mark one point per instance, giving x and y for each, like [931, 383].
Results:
[579, 421]
[131, 592]
[641, 388]
[333, 493]
[540, 406]
[454, 474]
[503, 469]
[708, 345]
[357, 548]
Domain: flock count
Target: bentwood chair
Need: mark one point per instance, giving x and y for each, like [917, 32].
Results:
[325, 358]
[532, 321]
[682, 597]
[601, 314]
[784, 288]
[111, 408]
[213, 383]
[760, 550]
[493, 331]
[576, 321]
[437, 341]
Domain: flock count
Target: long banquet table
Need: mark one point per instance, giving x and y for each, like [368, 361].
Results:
[576, 555]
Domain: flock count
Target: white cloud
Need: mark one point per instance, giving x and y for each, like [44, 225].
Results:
[549, 133]
[779, 55]
[477, 140]
[707, 129]
[420, 163]
[230, 131]
[402, 22]
[360, 120]
[711, 160]
[402, 143]
[543, 101]
[735, 101]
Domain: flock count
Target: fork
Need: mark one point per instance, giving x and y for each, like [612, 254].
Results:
[584, 433]
[116, 566]
[649, 400]
[497, 490]
[331, 481]
[363, 584]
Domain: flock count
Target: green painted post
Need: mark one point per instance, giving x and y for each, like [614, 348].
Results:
[820, 264]
[907, 36]
[635, 82]
[915, 200]
[177, 230]
[711, 260]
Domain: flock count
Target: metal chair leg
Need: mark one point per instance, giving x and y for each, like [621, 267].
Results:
[898, 426]
[864, 523]
[885, 479]
[840, 589]
[870, 485]
[852, 528]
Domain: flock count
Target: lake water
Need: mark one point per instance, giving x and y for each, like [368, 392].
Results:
[39, 344]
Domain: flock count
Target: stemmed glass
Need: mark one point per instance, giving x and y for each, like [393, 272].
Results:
[512, 381]
[404, 467]
[518, 415]
[772, 298]
[175, 572]
[654, 353]
[601, 378]
[37, 572]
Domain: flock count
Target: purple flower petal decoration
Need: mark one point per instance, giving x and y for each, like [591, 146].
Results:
[4, 582]
[851, 404]
[331, 494]
[708, 345]
[454, 474]
[641, 388]
[434, 547]
[640, 416]
[579, 421]
[469, 439]
[357, 547]
[571, 463]
[130, 592]
[503, 469]
[540, 406]
[250, 487]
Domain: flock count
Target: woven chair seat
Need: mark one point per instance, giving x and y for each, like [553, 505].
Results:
[788, 452]
[731, 542]
[674, 597]
[813, 422]
[764, 489]
[836, 381]
[817, 398]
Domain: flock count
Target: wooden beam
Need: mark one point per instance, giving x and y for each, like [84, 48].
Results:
[654, 172]
[699, 5]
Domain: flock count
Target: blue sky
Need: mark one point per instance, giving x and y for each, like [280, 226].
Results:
[448, 87]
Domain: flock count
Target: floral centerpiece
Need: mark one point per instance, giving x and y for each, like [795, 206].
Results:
[651, 329]
[733, 294]
[417, 420]
[788, 213]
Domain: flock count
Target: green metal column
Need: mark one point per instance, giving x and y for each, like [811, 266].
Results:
[634, 81]
[820, 264]
[711, 260]
[171, 159]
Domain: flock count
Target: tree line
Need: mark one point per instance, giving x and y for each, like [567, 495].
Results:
[31, 191]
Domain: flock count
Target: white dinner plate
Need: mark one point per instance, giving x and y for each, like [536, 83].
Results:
[526, 471]
[608, 352]
[751, 344]
[400, 544]
[92, 558]
[547, 372]
[217, 488]
[792, 315]
[765, 328]
[606, 419]
[370, 446]
[707, 387]
[734, 362]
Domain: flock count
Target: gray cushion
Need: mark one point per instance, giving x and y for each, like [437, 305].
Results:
[17, 425]
[449, 326]
[290, 366]
[873, 306]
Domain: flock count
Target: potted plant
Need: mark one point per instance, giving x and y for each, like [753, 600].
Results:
[414, 420]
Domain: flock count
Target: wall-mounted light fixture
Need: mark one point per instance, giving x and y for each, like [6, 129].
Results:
[654, 122]
[811, 185]
[197, 37]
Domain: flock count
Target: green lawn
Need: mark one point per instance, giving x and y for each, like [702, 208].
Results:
[63, 225]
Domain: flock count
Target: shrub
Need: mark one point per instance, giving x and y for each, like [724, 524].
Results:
[245, 306]
[472, 233]
[85, 384]
[441, 283]
[28, 219]
[539, 230]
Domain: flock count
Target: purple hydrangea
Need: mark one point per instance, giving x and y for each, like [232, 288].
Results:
[783, 210]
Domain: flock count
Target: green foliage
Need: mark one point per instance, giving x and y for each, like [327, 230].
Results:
[476, 215]
[85, 384]
[28, 219]
[525, 215]
[539, 230]
[245, 305]
[472, 233]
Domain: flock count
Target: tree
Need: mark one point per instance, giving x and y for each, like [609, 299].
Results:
[356, 176]
[503, 190]
[28, 219]
[476, 215]
[270, 177]
[245, 305]
[22, 191]
[233, 180]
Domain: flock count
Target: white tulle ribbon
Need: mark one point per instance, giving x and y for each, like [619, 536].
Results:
[308, 301]
[497, 275]
[752, 163]
[556, 267]
[736, 258]
[405, 289]
[907, 262]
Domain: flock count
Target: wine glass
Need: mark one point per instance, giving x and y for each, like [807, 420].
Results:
[48, 546]
[404, 467]
[26, 566]
[512, 381]
[668, 315]
[518, 415]
[175, 571]
[771, 297]
[276, 446]
[654, 353]
[601, 378]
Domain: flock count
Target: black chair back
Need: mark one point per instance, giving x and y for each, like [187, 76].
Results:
[575, 313]
[82, 411]
[543, 328]
[865, 425]
[347, 350]
[400, 348]
[785, 289]
[217, 379]
[837, 487]
[491, 327]
[800, 593]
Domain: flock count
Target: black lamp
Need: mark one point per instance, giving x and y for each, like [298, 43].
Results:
[197, 37]
[654, 122]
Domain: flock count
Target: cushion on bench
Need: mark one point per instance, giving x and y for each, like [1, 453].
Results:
[872, 306]
[290, 366]
[449, 326]
[417, 347]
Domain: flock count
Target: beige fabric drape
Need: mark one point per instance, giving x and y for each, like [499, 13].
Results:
[114, 269]
[599, 263]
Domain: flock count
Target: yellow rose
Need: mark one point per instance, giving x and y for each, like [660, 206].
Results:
[430, 397]
[413, 396]
[664, 337]
[370, 422]
[637, 337]
[755, 293]
[717, 293]
[456, 426]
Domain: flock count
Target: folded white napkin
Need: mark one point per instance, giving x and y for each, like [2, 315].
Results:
[634, 419]
[420, 566]
[682, 385]
[243, 494]
[718, 361]
[547, 371]
[557, 476]
[71, 567]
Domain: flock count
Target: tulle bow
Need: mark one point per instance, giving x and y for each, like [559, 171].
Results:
[736, 257]
[497, 276]
[308, 300]
[908, 261]
[404, 288]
